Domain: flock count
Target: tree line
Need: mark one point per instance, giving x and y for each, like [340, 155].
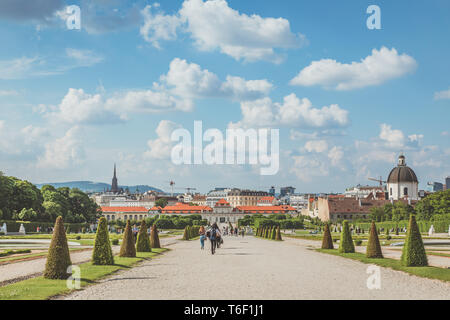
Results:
[434, 207]
[22, 200]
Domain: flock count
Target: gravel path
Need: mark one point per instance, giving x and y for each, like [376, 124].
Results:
[17, 271]
[253, 268]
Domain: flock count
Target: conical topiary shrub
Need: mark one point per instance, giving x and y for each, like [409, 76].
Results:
[58, 257]
[127, 248]
[273, 236]
[186, 233]
[327, 241]
[413, 254]
[373, 245]
[346, 243]
[154, 238]
[278, 237]
[267, 233]
[102, 253]
[143, 240]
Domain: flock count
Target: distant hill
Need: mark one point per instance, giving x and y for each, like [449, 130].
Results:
[89, 186]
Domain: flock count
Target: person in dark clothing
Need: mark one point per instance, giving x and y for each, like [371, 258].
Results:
[213, 235]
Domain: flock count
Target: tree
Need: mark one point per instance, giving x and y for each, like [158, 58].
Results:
[373, 245]
[434, 204]
[27, 215]
[278, 236]
[154, 238]
[161, 202]
[127, 248]
[102, 253]
[143, 240]
[58, 257]
[413, 254]
[327, 241]
[346, 243]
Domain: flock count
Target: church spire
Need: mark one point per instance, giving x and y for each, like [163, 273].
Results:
[114, 184]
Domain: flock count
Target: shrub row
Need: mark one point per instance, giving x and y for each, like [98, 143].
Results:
[440, 226]
[13, 226]
[272, 233]
[9, 252]
[190, 232]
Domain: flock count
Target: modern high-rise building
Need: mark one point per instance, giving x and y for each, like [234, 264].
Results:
[286, 190]
[447, 183]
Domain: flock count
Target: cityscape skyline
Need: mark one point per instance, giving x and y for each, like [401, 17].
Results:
[75, 101]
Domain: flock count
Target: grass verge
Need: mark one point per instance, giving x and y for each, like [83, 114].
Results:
[43, 289]
[425, 272]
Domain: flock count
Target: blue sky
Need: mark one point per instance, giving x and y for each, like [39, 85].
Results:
[347, 100]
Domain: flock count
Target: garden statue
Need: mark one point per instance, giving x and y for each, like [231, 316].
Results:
[22, 229]
[4, 229]
[431, 231]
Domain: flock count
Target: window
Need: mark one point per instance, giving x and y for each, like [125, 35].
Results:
[125, 217]
[405, 191]
[390, 191]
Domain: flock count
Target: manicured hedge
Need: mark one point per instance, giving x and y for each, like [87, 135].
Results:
[13, 226]
[440, 226]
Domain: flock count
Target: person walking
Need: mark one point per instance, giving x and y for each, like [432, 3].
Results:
[202, 233]
[213, 235]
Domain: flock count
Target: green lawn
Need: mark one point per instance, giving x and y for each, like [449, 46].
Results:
[42, 289]
[425, 272]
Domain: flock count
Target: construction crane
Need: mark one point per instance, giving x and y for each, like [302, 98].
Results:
[381, 181]
[171, 184]
[187, 188]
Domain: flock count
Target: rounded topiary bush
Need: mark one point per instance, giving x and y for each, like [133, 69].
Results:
[154, 238]
[327, 241]
[373, 245]
[127, 248]
[143, 240]
[413, 254]
[58, 257]
[102, 253]
[115, 242]
[358, 242]
[346, 243]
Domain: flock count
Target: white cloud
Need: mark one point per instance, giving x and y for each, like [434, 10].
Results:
[189, 80]
[27, 67]
[84, 58]
[79, 107]
[6, 93]
[293, 112]
[176, 91]
[32, 134]
[160, 148]
[159, 26]
[308, 167]
[63, 152]
[377, 68]
[17, 68]
[214, 25]
[336, 154]
[442, 95]
[392, 137]
[316, 146]
[147, 101]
